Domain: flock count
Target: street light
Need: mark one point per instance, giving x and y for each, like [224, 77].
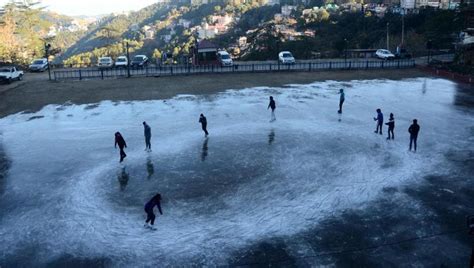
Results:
[345, 52]
[47, 47]
[128, 58]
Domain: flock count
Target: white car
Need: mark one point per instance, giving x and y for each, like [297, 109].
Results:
[105, 62]
[384, 54]
[285, 57]
[224, 58]
[121, 62]
[39, 65]
[10, 73]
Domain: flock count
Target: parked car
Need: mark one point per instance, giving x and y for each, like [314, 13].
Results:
[384, 54]
[39, 65]
[10, 73]
[402, 54]
[285, 57]
[121, 62]
[139, 61]
[224, 58]
[105, 62]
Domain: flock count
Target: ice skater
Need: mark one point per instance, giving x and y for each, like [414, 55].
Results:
[379, 120]
[391, 127]
[203, 121]
[342, 98]
[272, 105]
[122, 144]
[413, 130]
[150, 215]
[147, 130]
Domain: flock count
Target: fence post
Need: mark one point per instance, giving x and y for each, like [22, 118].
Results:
[270, 65]
[278, 65]
[398, 64]
[253, 67]
[381, 66]
[330, 65]
[102, 74]
[350, 64]
[367, 66]
[309, 66]
[146, 71]
[171, 69]
[80, 74]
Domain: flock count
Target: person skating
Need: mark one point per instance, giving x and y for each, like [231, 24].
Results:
[379, 120]
[147, 130]
[391, 127]
[150, 215]
[342, 98]
[122, 144]
[413, 130]
[272, 105]
[203, 121]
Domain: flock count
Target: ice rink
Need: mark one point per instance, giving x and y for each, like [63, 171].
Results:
[312, 188]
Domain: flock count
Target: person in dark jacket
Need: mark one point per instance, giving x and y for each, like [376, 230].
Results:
[342, 98]
[119, 140]
[150, 215]
[391, 127]
[413, 130]
[203, 121]
[379, 120]
[272, 105]
[147, 130]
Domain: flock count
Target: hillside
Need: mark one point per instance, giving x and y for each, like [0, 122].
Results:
[252, 30]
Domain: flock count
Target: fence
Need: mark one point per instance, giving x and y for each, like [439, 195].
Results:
[83, 74]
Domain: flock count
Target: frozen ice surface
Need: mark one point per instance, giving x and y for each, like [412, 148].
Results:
[252, 191]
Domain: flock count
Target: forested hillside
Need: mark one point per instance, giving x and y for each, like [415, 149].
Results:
[250, 30]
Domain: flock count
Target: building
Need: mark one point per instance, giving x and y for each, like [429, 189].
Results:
[184, 23]
[286, 10]
[207, 31]
[205, 53]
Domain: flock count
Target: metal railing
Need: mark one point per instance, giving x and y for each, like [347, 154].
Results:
[84, 74]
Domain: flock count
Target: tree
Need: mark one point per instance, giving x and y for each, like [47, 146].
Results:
[156, 55]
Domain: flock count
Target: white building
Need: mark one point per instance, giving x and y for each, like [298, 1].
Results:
[286, 10]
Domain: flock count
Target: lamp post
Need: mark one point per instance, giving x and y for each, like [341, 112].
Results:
[388, 42]
[127, 46]
[345, 52]
[403, 27]
[47, 47]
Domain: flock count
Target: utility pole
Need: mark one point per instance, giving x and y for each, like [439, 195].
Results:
[345, 52]
[403, 27]
[47, 47]
[128, 59]
[388, 42]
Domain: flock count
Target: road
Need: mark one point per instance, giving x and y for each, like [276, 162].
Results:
[239, 66]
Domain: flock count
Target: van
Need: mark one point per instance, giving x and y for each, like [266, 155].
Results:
[224, 58]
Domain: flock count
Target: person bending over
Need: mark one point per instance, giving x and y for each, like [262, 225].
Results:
[150, 215]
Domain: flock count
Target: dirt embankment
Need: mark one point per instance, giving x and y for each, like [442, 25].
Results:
[33, 93]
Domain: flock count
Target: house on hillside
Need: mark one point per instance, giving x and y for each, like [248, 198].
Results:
[148, 31]
[207, 31]
[286, 10]
[184, 23]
